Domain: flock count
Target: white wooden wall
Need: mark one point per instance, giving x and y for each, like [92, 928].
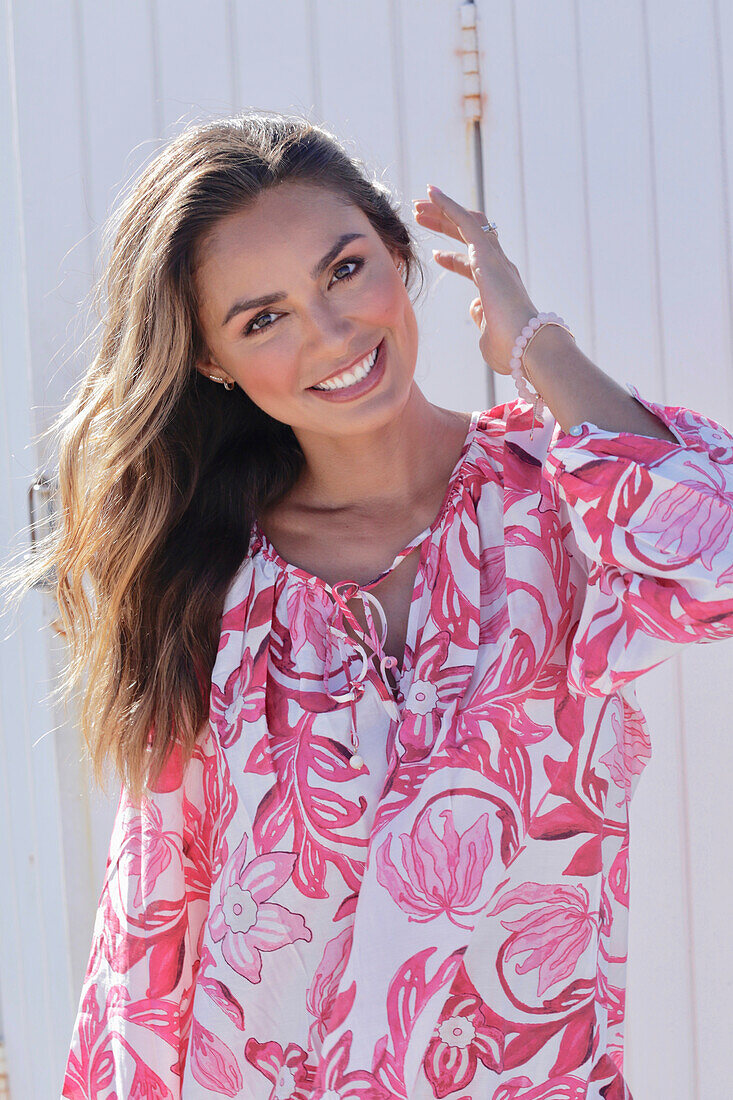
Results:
[608, 164]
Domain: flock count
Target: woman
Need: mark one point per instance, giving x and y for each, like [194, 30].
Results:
[365, 665]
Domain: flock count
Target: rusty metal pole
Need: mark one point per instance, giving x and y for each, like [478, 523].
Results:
[473, 113]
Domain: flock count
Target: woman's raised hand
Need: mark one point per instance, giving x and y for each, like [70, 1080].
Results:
[503, 306]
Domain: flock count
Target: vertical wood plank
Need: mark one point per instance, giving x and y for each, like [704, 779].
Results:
[558, 260]
[119, 90]
[696, 301]
[55, 212]
[363, 34]
[34, 952]
[708, 765]
[619, 194]
[696, 304]
[274, 52]
[193, 58]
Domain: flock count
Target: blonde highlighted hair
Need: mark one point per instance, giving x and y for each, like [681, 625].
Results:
[161, 472]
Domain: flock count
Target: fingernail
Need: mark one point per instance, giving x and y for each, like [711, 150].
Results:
[432, 187]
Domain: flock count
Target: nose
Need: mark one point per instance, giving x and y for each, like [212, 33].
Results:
[332, 332]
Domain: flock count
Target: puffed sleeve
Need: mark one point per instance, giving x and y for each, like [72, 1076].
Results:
[131, 1031]
[654, 520]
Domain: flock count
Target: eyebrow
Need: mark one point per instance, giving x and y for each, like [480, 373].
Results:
[244, 304]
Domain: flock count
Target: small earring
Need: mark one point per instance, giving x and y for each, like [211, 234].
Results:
[226, 382]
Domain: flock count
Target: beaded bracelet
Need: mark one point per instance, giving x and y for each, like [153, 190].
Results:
[516, 363]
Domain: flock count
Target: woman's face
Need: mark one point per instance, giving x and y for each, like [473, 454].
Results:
[322, 308]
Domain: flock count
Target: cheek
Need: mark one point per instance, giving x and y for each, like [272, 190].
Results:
[403, 321]
[271, 372]
[388, 300]
[409, 317]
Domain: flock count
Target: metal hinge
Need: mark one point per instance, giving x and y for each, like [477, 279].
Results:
[472, 106]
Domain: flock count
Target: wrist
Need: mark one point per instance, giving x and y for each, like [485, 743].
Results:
[547, 343]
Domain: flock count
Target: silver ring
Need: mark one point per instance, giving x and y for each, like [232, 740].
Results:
[490, 228]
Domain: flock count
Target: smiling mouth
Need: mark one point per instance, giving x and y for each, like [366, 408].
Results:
[352, 375]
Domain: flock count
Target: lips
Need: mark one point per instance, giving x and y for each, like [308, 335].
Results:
[342, 370]
[354, 391]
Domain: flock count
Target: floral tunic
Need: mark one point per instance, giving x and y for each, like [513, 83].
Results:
[448, 919]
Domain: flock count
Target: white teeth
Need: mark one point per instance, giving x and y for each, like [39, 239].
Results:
[348, 378]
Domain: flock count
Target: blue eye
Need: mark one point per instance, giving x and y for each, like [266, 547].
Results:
[356, 260]
[249, 327]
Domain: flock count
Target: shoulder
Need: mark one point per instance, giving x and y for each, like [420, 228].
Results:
[513, 423]
[510, 446]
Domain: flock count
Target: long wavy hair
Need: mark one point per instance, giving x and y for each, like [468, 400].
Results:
[160, 472]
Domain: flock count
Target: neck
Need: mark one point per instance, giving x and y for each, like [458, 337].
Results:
[385, 467]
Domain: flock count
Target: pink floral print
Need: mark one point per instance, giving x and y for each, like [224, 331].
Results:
[448, 919]
[441, 872]
[553, 934]
[245, 922]
[434, 687]
[236, 704]
[463, 1037]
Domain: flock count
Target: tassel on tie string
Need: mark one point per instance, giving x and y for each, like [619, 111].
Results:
[377, 637]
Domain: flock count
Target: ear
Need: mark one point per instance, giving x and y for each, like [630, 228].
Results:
[399, 264]
[211, 370]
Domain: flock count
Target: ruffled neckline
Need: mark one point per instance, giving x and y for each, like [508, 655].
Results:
[262, 545]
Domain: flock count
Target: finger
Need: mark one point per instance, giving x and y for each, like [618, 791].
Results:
[426, 208]
[431, 217]
[464, 220]
[476, 310]
[454, 261]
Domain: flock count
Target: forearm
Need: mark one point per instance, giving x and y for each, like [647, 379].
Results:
[575, 389]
